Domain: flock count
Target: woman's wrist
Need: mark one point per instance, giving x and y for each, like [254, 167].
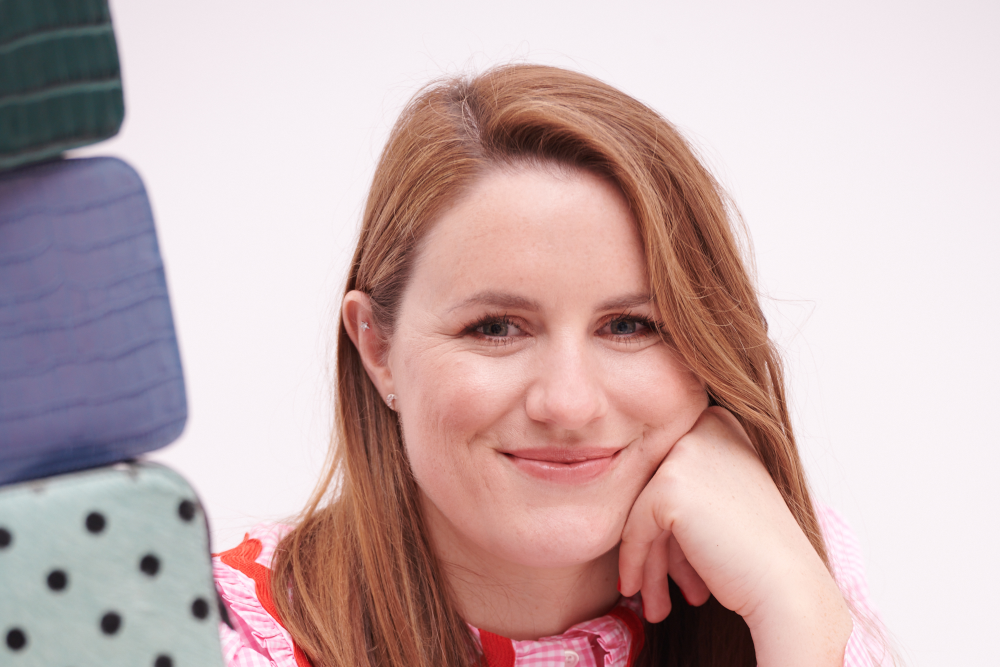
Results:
[803, 621]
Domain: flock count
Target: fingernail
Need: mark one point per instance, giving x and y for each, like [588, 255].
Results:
[619, 584]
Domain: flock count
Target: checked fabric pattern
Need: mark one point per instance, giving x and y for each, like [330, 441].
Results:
[257, 638]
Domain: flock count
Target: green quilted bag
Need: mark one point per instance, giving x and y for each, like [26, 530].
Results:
[60, 81]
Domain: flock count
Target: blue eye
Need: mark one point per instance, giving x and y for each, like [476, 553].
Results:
[496, 328]
[623, 327]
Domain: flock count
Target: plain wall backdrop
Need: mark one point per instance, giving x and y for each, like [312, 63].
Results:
[859, 139]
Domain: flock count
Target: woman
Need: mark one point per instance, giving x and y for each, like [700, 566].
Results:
[554, 391]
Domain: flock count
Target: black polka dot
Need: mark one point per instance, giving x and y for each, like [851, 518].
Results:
[199, 608]
[5, 538]
[111, 623]
[95, 522]
[163, 661]
[57, 580]
[150, 564]
[186, 510]
[16, 640]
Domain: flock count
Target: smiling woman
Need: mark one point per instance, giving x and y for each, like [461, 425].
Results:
[536, 395]
[562, 435]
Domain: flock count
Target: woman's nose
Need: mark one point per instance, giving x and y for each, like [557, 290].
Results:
[566, 390]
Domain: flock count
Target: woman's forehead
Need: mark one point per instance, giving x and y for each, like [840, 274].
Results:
[534, 230]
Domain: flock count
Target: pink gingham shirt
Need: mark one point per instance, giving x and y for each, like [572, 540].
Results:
[257, 638]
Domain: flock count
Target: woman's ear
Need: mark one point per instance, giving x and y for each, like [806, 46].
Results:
[356, 313]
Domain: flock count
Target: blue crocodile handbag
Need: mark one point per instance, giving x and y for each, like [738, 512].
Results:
[90, 372]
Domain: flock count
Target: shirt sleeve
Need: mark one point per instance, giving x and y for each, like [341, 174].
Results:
[867, 645]
[255, 638]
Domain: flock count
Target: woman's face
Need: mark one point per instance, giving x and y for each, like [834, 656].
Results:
[535, 397]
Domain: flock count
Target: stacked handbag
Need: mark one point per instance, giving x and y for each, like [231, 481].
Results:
[104, 559]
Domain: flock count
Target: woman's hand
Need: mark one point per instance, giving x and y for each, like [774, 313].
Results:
[712, 518]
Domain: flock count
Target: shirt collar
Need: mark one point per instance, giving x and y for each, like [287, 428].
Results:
[612, 640]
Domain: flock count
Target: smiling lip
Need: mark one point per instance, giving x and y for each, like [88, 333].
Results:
[577, 465]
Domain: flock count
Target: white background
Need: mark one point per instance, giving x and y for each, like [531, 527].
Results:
[860, 140]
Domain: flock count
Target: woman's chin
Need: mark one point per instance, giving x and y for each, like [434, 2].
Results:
[556, 549]
[527, 533]
[544, 557]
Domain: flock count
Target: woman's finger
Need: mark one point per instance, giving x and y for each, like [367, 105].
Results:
[641, 530]
[655, 588]
[691, 584]
[631, 561]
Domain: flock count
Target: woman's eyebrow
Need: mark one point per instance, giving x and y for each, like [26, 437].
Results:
[627, 301]
[498, 300]
[507, 300]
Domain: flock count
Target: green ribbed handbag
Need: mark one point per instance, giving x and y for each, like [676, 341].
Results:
[60, 80]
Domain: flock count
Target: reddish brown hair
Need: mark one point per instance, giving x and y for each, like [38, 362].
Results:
[366, 589]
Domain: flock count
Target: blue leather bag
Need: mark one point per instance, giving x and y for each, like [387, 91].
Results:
[90, 372]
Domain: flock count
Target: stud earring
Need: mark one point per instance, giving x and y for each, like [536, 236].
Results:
[390, 400]
[364, 325]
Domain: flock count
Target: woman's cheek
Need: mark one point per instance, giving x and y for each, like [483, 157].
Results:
[467, 393]
[656, 389]
[456, 408]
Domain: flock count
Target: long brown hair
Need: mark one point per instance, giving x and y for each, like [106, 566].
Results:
[365, 586]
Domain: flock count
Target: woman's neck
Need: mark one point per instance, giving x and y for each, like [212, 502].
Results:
[516, 601]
